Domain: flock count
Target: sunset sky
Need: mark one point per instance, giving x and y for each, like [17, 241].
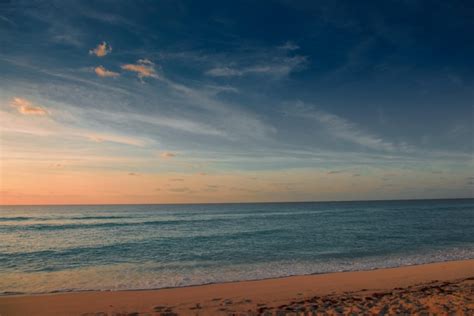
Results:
[197, 101]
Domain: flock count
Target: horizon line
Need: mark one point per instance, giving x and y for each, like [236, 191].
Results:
[259, 202]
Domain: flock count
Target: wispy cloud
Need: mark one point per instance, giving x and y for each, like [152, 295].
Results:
[289, 45]
[53, 128]
[167, 155]
[25, 107]
[102, 72]
[180, 190]
[101, 50]
[346, 130]
[121, 139]
[180, 124]
[349, 131]
[7, 20]
[62, 75]
[280, 67]
[176, 180]
[144, 68]
[274, 62]
[224, 72]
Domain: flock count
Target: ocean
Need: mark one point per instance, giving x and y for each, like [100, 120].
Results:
[119, 247]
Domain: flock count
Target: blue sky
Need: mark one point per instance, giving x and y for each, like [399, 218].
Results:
[282, 91]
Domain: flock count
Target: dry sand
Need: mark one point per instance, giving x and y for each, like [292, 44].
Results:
[441, 288]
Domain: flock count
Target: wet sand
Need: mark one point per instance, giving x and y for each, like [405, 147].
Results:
[441, 288]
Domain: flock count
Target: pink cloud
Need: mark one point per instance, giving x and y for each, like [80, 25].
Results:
[26, 107]
[101, 50]
[167, 155]
[102, 72]
[144, 68]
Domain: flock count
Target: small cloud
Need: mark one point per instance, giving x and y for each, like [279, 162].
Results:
[176, 179]
[356, 175]
[224, 72]
[101, 50]
[26, 107]
[167, 155]
[99, 138]
[289, 46]
[334, 171]
[102, 72]
[219, 89]
[211, 188]
[276, 68]
[180, 190]
[132, 174]
[144, 68]
[145, 61]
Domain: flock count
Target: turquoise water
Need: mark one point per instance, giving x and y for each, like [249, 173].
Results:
[114, 247]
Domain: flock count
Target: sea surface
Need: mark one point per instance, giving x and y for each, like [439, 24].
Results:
[118, 247]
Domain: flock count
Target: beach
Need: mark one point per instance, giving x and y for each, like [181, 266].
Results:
[442, 288]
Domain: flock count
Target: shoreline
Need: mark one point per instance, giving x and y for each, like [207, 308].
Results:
[54, 292]
[239, 296]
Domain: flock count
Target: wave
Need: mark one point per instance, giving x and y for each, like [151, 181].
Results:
[34, 218]
[158, 249]
[42, 227]
[153, 275]
[17, 218]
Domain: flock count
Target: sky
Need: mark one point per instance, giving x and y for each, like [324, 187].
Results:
[241, 101]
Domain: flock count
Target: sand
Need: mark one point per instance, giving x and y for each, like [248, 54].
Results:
[441, 288]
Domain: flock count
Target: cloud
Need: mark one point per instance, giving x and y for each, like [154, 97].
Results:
[289, 45]
[144, 68]
[102, 72]
[347, 130]
[211, 188]
[101, 50]
[275, 62]
[180, 190]
[175, 123]
[26, 107]
[344, 129]
[218, 89]
[99, 138]
[279, 67]
[167, 155]
[224, 72]
[334, 171]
